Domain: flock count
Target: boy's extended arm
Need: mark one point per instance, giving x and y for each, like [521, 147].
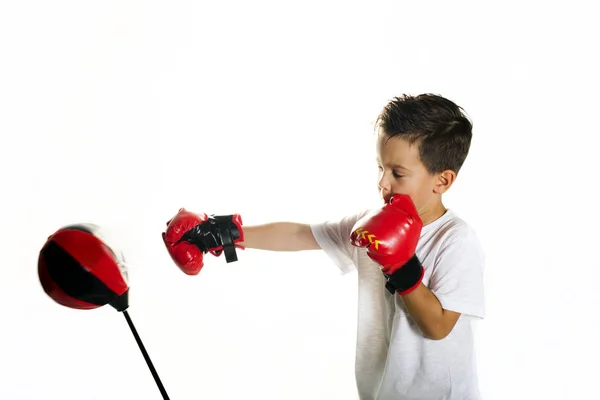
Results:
[189, 236]
[279, 236]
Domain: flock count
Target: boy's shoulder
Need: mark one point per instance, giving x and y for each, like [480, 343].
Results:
[451, 228]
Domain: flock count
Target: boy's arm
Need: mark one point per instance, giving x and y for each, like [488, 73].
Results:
[427, 312]
[279, 236]
[189, 236]
[455, 287]
[391, 235]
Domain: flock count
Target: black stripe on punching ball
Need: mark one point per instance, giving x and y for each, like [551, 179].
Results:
[73, 279]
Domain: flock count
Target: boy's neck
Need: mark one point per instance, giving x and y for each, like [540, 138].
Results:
[432, 213]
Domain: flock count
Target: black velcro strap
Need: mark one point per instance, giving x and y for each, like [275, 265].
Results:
[201, 236]
[405, 277]
[217, 232]
[228, 232]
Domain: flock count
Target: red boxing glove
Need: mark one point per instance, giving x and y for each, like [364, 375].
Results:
[189, 236]
[391, 235]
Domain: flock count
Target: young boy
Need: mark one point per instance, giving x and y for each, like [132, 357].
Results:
[414, 339]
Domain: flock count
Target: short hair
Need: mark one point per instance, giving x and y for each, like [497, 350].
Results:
[438, 126]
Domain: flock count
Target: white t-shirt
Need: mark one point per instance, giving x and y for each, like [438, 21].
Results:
[394, 361]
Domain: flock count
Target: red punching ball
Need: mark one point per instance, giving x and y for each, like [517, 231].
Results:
[79, 269]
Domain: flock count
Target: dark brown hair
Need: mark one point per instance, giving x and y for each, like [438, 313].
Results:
[439, 127]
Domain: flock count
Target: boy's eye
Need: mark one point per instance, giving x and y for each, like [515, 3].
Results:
[396, 175]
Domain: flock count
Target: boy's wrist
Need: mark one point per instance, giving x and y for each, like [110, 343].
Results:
[406, 278]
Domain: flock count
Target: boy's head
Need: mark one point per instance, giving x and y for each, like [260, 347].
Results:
[422, 143]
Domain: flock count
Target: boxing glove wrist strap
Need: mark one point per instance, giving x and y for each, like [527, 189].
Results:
[406, 278]
[217, 233]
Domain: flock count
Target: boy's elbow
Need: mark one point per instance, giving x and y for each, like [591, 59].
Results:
[443, 326]
[437, 335]
[437, 332]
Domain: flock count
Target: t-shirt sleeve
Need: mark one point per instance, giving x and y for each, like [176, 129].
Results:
[334, 239]
[457, 278]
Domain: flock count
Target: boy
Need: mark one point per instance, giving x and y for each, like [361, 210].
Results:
[419, 265]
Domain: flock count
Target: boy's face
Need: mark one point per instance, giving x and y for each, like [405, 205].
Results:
[402, 172]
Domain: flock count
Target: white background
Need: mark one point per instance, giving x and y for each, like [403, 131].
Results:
[121, 112]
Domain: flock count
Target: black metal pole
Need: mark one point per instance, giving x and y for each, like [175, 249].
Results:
[146, 356]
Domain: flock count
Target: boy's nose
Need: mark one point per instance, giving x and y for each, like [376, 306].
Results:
[384, 189]
[383, 184]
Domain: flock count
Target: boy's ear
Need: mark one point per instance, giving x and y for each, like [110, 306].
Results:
[443, 181]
